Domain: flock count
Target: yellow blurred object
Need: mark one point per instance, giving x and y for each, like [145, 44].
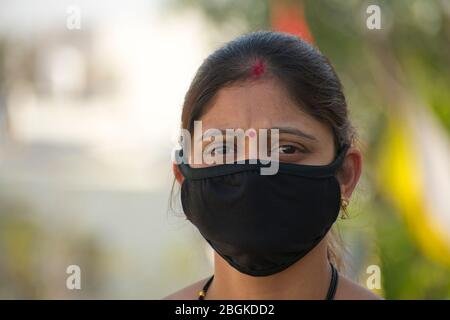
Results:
[401, 178]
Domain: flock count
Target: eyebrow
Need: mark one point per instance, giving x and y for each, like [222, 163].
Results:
[288, 130]
[297, 132]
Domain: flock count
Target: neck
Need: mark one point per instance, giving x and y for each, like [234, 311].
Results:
[308, 278]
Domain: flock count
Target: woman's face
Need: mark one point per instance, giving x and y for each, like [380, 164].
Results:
[265, 104]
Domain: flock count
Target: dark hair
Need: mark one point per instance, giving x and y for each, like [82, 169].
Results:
[307, 75]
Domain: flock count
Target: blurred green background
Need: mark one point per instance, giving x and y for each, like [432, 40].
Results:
[88, 118]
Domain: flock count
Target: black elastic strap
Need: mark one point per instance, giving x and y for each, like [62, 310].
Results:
[205, 288]
[333, 283]
[330, 294]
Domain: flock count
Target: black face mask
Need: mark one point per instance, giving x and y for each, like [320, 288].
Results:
[262, 224]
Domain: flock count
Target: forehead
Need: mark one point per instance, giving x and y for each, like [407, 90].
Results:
[257, 104]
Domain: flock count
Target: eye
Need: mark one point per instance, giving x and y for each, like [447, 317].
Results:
[288, 149]
[221, 149]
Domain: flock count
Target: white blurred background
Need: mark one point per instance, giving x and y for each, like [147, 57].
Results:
[89, 117]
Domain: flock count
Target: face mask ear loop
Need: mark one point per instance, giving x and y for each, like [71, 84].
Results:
[339, 160]
[180, 161]
[342, 153]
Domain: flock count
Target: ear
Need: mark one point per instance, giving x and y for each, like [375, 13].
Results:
[177, 173]
[350, 172]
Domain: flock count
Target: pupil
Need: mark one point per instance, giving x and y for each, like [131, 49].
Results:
[287, 149]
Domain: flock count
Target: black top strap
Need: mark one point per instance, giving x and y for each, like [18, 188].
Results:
[333, 283]
[202, 294]
[330, 294]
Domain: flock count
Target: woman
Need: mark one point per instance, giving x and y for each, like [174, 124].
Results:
[271, 233]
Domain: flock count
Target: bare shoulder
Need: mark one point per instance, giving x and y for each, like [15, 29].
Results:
[188, 293]
[349, 290]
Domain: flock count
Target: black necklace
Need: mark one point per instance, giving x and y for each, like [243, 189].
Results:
[330, 294]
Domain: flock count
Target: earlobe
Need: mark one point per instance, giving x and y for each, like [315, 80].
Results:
[177, 173]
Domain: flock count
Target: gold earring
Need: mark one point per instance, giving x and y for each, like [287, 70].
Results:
[344, 205]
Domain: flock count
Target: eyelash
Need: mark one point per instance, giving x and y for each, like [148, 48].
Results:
[300, 148]
[213, 148]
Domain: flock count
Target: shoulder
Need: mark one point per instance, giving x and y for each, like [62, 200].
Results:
[188, 293]
[349, 290]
